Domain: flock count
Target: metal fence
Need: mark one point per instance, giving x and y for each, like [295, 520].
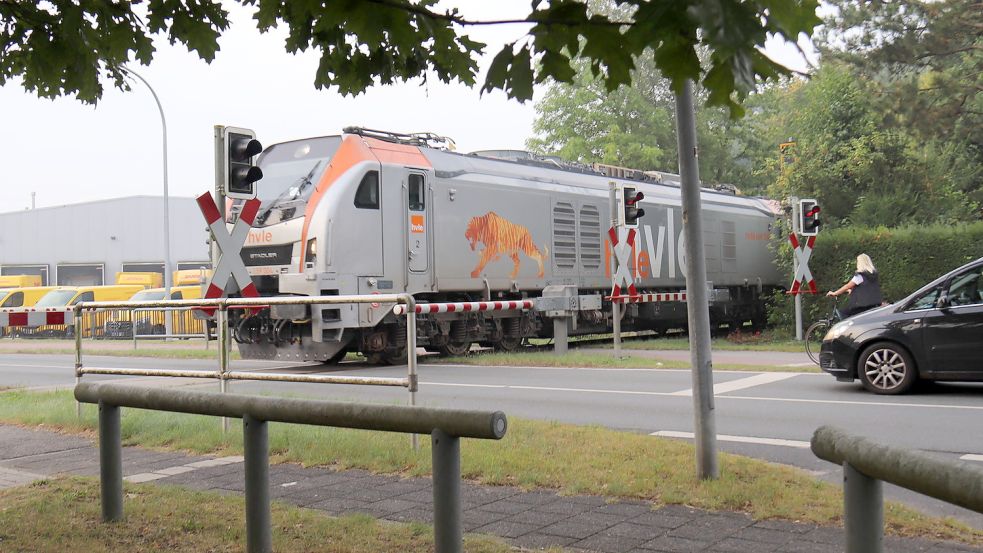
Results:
[866, 463]
[222, 373]
[445, 426]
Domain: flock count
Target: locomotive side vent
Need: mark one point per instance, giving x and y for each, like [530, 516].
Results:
[564, 235]
[590, 237]
[728, 248]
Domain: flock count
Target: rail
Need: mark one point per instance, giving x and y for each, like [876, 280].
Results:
[445, 426]
[866, 463]
[222, 373]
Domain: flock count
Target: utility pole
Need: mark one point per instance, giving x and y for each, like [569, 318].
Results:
[698, 306]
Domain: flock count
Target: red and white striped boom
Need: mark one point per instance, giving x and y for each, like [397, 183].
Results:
[464, 307]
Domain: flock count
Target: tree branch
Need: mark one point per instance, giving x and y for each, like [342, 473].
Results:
[458, 20]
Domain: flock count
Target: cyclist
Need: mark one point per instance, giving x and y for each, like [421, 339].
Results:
[864, 288]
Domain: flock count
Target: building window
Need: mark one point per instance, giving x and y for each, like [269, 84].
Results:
[80, 275]
[40, 270]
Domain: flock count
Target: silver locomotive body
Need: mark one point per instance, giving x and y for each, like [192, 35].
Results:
[355, 214]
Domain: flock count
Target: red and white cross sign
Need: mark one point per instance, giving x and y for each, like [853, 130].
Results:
[622, 242]
[802, 272]
[230, 263]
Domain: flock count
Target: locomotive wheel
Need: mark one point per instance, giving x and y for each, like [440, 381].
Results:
[508, 344]
[387, 357]
[455, 349]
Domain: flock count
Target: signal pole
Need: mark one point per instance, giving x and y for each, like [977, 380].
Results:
[698, 306]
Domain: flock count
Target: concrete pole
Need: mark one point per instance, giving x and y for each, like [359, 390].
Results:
[698, 306]
[795, 269]
[167, 216]
[219, 136]
[560, 339]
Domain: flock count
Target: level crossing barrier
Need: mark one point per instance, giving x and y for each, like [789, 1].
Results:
[866, 463]
[445, 426]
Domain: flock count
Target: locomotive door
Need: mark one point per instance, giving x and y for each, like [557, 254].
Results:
[418, 231]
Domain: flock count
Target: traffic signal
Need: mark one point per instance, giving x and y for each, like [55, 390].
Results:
[632, 212]
[240, 173]
[809, 222]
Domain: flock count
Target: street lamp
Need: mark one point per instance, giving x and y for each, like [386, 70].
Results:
[167, 218]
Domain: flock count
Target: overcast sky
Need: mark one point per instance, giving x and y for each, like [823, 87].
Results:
[68, 152]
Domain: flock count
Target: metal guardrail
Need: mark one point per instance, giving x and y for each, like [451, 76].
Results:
[445, 426]
[223, 374]
[866, 463]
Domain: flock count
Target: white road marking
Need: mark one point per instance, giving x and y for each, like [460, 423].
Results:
[741, 439]
[972, 457]
[742, 398]
[741, 383]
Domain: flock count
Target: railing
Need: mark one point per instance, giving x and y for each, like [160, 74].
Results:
[866, 463]
[445, 426]
[222, 373]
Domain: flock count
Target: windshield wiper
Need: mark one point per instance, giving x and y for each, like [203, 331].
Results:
[301, 184]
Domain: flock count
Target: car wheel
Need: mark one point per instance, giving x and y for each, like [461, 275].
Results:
[886, 368]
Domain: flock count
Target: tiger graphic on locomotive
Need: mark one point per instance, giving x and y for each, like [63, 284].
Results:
[369, 212]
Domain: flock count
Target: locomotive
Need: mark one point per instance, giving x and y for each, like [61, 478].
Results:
[371, 212]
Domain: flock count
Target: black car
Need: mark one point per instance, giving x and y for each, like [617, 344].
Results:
[934, 334]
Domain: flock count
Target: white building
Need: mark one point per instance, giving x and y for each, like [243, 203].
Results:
[88, 243]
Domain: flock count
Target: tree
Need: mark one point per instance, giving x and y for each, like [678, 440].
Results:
[922, 62]
[865, 172]
[64, 47]
[635, 126]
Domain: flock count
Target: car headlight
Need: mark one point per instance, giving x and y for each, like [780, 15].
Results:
[837, 330]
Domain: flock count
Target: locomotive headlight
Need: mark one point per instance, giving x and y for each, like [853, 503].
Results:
[310, 256]
[837, 330]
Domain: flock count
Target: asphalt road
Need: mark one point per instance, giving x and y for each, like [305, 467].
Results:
[769, 416]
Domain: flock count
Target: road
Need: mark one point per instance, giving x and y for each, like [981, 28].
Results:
[765, 415]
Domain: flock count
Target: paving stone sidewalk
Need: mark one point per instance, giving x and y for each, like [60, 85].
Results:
[530, 520]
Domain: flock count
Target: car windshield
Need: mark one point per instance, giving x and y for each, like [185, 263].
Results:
[148, 295]
[290, 173]
[56, 298]
[3, 294]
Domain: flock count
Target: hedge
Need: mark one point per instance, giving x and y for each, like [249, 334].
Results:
[906, 259]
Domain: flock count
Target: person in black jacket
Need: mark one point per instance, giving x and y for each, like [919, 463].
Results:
[864, 288]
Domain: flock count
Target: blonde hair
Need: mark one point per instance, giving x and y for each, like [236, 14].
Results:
[864, 264]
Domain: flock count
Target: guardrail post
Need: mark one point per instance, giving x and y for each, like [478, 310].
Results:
[257, 460]
[110, 462]
[863, 511]
[222, 318]
[77, 325]
[446, 455]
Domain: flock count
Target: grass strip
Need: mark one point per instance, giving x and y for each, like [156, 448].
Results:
[597, 360]
[64, 515]
[533, 455]
[723, 344]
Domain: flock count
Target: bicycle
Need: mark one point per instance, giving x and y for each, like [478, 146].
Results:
[817, 331]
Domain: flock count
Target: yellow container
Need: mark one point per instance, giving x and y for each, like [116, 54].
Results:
[147, 280]
[20, 281]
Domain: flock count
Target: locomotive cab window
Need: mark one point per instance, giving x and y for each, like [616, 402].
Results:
[14, 300]
[367, 195]
[417, 193]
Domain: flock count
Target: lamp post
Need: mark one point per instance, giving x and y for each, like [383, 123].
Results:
[167, 218]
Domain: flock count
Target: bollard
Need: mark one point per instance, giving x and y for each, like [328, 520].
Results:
[255, 444]
[863, 511]
[447, 529]
[110, 462]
